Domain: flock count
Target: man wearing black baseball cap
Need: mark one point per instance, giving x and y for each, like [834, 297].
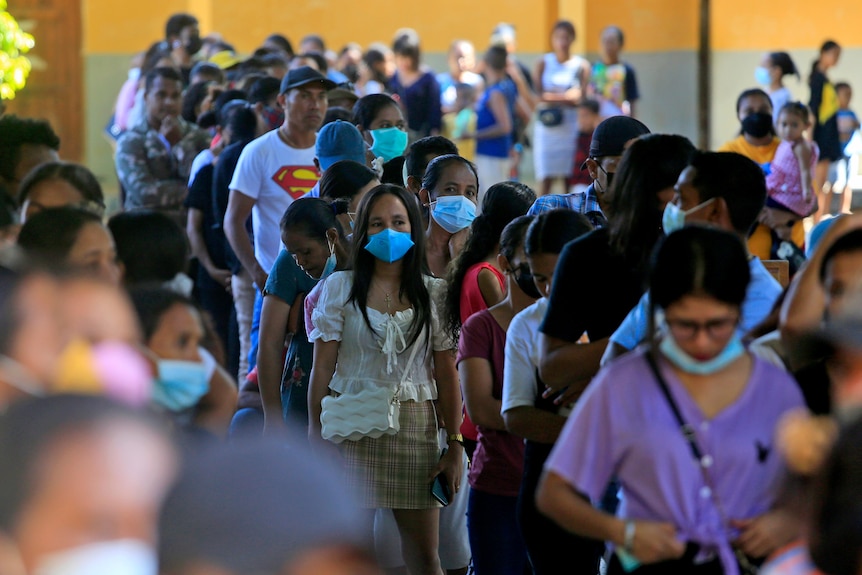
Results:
[610, 140]
[272, 171]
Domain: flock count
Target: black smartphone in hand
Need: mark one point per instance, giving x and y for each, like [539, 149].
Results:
[440, 488]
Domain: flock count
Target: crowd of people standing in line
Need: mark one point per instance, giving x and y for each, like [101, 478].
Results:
[608, 378]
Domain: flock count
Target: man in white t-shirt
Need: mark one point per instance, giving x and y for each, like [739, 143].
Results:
[272, 171]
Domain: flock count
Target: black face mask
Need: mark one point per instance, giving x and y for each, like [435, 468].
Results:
[524, 279]
[757, 125]
[193, 45]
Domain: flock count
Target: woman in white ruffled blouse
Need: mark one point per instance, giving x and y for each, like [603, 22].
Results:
[364, 328]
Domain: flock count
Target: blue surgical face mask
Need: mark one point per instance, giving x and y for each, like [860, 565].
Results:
[329, 266]
[388, 143]
[673, 218]
[180, 384]
[119, 557]
[673, 352]
[389, 246]
[761, 76]
[453, 213]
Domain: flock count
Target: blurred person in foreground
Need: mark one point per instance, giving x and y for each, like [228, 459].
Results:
[82, 482]
[264, 509]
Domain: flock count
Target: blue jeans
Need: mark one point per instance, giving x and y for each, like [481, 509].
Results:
[254, 336]
[495, 540]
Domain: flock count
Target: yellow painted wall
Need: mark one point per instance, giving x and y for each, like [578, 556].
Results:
[113, 27]
[784, 24]
[649, 25]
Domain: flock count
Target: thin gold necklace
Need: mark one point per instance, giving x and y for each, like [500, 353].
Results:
[387, 297]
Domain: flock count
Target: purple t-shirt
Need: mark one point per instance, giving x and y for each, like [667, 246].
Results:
[623, 426]
[498, 462]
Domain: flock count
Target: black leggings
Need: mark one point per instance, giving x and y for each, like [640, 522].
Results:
[551, 549]
[682, 566]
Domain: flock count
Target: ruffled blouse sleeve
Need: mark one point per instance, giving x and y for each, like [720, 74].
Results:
[327, 318]
[440, 338]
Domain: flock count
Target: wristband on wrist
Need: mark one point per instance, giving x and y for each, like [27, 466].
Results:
[629, 536]
[456, 437]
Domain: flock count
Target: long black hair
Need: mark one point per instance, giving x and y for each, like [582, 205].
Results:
[414, 266]
[785, 62]
[501, 204]
[651, 164]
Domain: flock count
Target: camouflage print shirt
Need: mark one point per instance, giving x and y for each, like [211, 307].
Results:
[152, 175]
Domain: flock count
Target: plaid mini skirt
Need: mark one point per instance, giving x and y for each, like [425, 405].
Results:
[392, 471]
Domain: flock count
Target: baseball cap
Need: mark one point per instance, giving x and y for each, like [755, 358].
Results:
[612, 135]
[225, 59]
[343, 91]
[337, 141]
[302, 76]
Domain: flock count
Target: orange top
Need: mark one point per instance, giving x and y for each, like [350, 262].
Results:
[759, 154]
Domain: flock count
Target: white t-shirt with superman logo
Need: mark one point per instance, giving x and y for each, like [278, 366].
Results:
[274, 174]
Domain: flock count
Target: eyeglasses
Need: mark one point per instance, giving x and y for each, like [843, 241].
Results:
[718, 328]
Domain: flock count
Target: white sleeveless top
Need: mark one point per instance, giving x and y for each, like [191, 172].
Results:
[558, 77]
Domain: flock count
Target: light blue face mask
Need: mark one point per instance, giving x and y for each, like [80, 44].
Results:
[180, 384]
[761, 76]
[329, 266]
[118, 557]
[731, 352]
[453, 213]
[388, 143]
[673, 218]
[389, 246]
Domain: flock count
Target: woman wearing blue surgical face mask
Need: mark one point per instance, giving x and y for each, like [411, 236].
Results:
[189, 385]
[380, 121]
[316, 247]
[699, 502]
[450, 190]
[365, 327]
